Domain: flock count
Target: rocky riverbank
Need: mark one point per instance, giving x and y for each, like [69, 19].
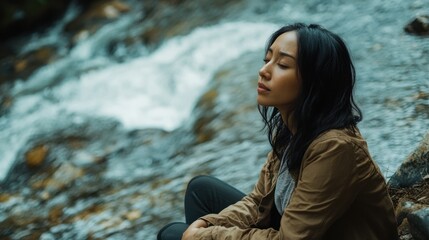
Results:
[409, 188]
[80, 176]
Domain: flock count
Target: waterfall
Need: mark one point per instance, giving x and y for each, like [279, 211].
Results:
[157, 90]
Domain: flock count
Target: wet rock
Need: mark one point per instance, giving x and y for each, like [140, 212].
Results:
[36, 156]
[413, 220]
[5, 104]
[422, 109]
[4, 197]
[95, 16]
[7, 57]
[20, 16]
[21, 67]
[404, 208]
[418, 26]
[55, 214]
[205, 104]
[404, 232]
[74, 145]
[419, 223]
[170, 18]
[63, 176]
[414, 168]
[26, 64]
[422, 95]
[133, 215]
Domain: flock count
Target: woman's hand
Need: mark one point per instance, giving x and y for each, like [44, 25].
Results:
[189, 233]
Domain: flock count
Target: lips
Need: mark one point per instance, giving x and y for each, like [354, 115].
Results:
[261, 86]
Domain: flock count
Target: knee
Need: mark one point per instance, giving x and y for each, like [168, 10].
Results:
[201, 181]
[172, 231]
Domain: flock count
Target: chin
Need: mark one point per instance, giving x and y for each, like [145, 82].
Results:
[264, 104]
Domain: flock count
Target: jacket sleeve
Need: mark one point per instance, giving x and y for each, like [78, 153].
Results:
[324, 191]
[244, 213]
[235, 233]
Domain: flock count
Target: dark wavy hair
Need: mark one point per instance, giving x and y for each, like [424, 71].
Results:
[326, 101]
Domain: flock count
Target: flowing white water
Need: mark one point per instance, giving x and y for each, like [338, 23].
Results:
[158, 90]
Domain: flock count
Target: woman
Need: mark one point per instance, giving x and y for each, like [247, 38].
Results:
[319, 181]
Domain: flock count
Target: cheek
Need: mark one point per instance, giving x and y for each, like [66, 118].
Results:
[296, 88]
[296, 84]
[291, 86]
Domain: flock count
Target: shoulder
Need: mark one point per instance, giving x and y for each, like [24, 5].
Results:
[338, 142]
[339, 136]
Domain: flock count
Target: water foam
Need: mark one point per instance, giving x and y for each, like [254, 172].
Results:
[154, 91]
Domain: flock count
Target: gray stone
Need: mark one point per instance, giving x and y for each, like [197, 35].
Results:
[418, 26]
[419, 224]
[415, 168]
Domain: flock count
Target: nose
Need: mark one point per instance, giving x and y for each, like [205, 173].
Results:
[264, 72]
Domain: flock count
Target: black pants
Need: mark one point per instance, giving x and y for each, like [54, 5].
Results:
[204, 195]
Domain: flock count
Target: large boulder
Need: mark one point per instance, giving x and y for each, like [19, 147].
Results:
[415, 168]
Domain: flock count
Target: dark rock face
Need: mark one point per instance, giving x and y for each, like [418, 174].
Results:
[415, 168]
[418, 26]
[413, 173]
[419, 223]
[21, 67]
[20, 16]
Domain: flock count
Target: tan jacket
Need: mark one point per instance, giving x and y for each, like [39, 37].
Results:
[340, 194]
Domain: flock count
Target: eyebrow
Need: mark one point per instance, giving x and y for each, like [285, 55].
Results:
[285, 54]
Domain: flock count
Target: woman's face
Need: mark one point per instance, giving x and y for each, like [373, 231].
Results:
[278, 84]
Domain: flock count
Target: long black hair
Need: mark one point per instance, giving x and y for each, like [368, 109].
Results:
[326, 102]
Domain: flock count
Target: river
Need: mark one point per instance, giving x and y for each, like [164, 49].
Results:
[141, 111]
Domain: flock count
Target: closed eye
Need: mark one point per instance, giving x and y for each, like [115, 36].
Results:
[282, 66]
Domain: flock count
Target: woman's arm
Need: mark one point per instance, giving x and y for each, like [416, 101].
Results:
[244, 213]
[324, 191]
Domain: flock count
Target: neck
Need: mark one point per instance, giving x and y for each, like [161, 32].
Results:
[288, 120]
